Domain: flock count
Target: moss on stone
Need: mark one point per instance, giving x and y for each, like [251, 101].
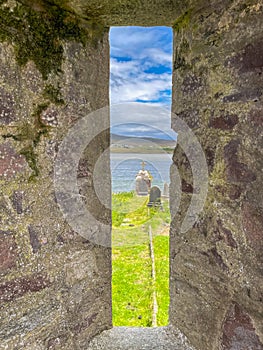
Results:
[179, 60]
[53, 94]
[30, 134]
[31, 159]
[183, 21]
[33, 134]
[180, 52]
[37, 32]
[217, 177]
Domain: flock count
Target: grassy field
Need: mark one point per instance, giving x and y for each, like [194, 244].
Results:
[132, 284]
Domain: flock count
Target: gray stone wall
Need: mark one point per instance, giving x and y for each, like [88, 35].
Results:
[55, 285]
[216, 267]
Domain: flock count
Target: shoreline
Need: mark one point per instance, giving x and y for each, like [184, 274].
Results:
[126, 150]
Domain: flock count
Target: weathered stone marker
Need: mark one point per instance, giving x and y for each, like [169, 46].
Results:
[142, 188]
[155, 197]
[166, 190]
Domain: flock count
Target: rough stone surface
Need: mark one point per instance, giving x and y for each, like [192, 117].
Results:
[12, 163]
[8, 251]
[7, 112]
[132, 12]
[124, 338]
[216, 267]
[15, 289]
[238, 331]
[55, 285]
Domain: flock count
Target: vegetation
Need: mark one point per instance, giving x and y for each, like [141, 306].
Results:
[132, 284]
[31, 134]
[37, 30]
[53, 94]
[183, 21]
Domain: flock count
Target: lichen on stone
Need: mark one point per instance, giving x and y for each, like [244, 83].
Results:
[30, 134]
[53, 94]
[37, 31]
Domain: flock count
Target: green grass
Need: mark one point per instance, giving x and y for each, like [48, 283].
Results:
[161, 249]
[132, 285]
[132, 289]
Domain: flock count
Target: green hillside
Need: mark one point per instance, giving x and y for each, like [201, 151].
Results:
[123, 144]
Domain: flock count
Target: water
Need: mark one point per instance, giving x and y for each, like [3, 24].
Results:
[125, 166]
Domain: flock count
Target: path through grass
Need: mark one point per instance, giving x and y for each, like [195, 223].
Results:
[132, 285]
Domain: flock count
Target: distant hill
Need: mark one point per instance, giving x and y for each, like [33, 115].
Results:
[125, 144]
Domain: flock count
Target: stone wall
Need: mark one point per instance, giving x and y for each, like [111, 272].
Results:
[55, 284]
[216, 267]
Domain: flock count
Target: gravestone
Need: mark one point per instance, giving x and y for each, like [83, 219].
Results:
[142, 188]
[165, 190]
[155, 197]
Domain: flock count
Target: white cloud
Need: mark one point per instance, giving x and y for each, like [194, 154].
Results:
[119, 68]
[157, 56]
[141, 71]
[134, 41]
[130, 83]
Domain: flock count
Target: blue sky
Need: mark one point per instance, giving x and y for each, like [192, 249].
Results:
[141, 78]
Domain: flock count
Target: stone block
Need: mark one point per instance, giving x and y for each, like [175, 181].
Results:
[8, 251]
[224, 122]
[17, 201]
[11, 290]
[34, 238]
[252, 224]
[238, 331]
[235, 170]
[7, 107]
[11, 163]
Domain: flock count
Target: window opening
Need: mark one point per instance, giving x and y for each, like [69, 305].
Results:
[141, 154]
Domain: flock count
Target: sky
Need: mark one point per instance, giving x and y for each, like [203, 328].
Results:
[141, 81]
